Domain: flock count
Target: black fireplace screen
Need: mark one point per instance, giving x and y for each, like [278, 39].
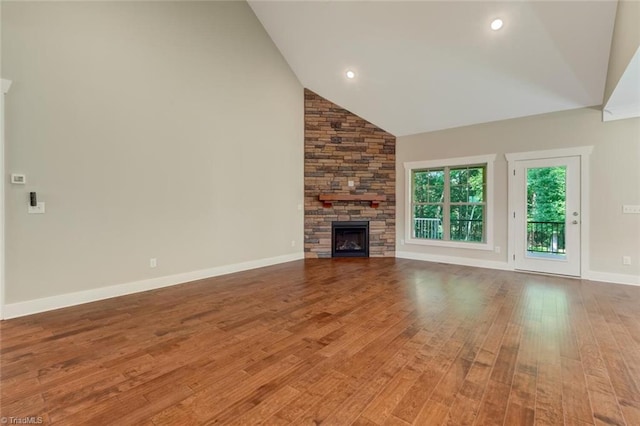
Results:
[350, 239]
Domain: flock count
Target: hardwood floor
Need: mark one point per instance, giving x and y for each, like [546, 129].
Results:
[342, 341]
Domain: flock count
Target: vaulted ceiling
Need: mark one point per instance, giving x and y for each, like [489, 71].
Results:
[429, 65]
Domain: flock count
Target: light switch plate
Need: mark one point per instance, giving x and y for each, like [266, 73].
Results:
[628, 209]
[39, 209]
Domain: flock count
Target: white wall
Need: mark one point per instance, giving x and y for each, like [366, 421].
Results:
[615, 179]
[149, 129]
[624, 44]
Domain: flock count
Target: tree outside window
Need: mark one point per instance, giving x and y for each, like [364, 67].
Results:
[448, 203]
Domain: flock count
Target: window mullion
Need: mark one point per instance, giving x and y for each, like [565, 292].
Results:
[446, 208]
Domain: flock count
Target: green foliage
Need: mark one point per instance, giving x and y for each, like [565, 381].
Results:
[428, 186]
[467, 185]
[466, 193]
[546, 188]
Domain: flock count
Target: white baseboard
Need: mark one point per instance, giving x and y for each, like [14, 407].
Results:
[606, 277]
[609, 277]
[14, 310]
[464, 261]
[19, 309]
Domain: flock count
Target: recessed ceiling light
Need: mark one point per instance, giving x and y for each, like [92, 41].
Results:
[350, 74]
[496, 24]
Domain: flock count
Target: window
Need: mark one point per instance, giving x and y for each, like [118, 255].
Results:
[448, 202]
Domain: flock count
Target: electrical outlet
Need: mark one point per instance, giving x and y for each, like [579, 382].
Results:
[351, 183]
[626, 260]
[293, 243]
[18, 179]
[153, 262]
[496, 249]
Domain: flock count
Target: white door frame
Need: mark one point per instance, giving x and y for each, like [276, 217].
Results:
[6, 84]
[568, 263]
[584, 153]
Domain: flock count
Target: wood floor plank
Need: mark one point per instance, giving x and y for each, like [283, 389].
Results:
[505, 365]
[519, 415]
[575, 397]
[372, 384]
[433, 413]
[411, 405]
[335, 341]
[382, 406]
[549, 408]
[465, 408]
[267, 407]
[606, 409]
[292, 411]
[630, 411]
[494, 406]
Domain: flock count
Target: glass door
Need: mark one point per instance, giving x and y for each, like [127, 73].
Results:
[547, 216]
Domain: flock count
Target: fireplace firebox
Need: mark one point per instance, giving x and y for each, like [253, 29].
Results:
[350, 239]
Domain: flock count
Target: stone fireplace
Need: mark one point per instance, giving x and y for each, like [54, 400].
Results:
[350, 239]
[349, 176]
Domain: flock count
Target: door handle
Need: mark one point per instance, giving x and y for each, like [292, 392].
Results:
[575, 222]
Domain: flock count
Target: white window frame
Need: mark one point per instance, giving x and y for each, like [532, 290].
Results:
[5, 85]
[409, 167]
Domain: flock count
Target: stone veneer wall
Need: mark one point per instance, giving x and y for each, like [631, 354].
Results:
[338, 147]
